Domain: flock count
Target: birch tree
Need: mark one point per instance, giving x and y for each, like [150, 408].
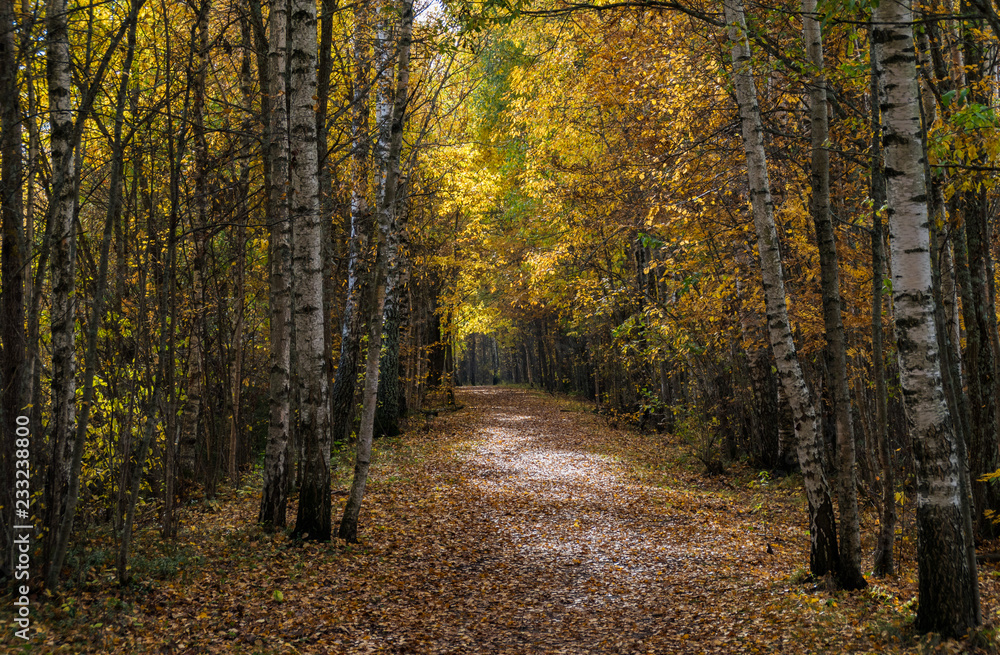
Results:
[386, 217]
[387, 407]
[274, 499]
[884, 561]
[362, 225]
[823, 553]
[390, 395]
[948, 584]
[313, 520]
[849, 573]
[62, 205]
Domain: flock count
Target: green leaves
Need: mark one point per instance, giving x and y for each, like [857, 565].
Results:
[650, 241]
[974, 116]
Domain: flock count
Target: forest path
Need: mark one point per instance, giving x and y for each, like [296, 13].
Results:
[538, 536]
[519, 524]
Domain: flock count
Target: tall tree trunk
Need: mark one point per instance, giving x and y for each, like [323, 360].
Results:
[884, 560]
[274, 499]
[390, 395]
[385, 69]
[948, 585]
[327, 189]
[824, 556]
[31, 377]
[385, 76]
[849, 574]
[313, 520]
[63, 262]
[362, 226]
[386, 213]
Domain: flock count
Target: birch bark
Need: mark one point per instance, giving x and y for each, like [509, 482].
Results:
[386, 211]
[884, 560]
[276, 471]
[823, 556]
[948, 583]
[390, 398]
[362, 226]
[849, 575]
[63, 270]
[387, 406]
[313, 520]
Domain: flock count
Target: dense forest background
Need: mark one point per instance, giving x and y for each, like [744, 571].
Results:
[237, 235]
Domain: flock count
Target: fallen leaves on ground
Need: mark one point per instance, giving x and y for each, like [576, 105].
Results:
[519, 524]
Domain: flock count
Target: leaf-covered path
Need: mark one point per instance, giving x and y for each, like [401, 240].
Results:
[554, 547]
[521, 523]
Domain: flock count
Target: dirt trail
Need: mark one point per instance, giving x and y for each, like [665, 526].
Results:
[550, 546]
[520, 524]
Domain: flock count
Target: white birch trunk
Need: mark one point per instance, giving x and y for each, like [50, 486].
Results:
[63, 262]
[342, 395]
[947, 575]
[849, 574]
[276, 469]
[390, 392]
[313, 521]
[386, 210]
[385, 75]
[385, 69]
[823, 551]
[884, 557]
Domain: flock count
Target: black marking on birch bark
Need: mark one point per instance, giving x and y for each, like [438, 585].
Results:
[881, 35]
[899, 58]
[917, 296]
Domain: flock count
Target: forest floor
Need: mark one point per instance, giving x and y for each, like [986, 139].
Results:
[521, 523]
